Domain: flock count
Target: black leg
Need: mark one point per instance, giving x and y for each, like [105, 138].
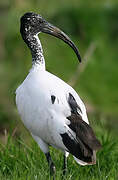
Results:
[51, 165]
[65, 163]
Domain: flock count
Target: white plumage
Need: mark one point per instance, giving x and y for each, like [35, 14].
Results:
[47, 105]
[40, 116]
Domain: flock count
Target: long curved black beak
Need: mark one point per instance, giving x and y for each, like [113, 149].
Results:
[54, 31]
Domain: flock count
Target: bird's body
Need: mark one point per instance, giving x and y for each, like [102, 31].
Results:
[44, 116]
[51, 110]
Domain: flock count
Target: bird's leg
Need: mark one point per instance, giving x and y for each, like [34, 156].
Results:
[65, 163]
[51, 165]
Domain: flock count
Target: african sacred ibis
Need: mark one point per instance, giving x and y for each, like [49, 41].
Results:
[51, 110]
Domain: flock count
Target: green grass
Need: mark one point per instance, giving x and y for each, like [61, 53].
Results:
[21, 160]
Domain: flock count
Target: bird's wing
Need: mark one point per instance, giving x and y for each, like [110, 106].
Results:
[85, 143]
[70, 121]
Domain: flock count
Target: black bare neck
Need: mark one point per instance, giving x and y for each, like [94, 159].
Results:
[35, 47]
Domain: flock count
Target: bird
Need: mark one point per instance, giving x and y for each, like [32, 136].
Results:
[51, 109]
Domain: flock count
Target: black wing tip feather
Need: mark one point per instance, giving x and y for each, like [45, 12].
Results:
[75, 149]
[79, 149]
[73, 104]
[90, 137]
[84, 132]
[85, 145]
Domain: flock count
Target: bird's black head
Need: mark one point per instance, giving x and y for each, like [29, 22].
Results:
[32, 24]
